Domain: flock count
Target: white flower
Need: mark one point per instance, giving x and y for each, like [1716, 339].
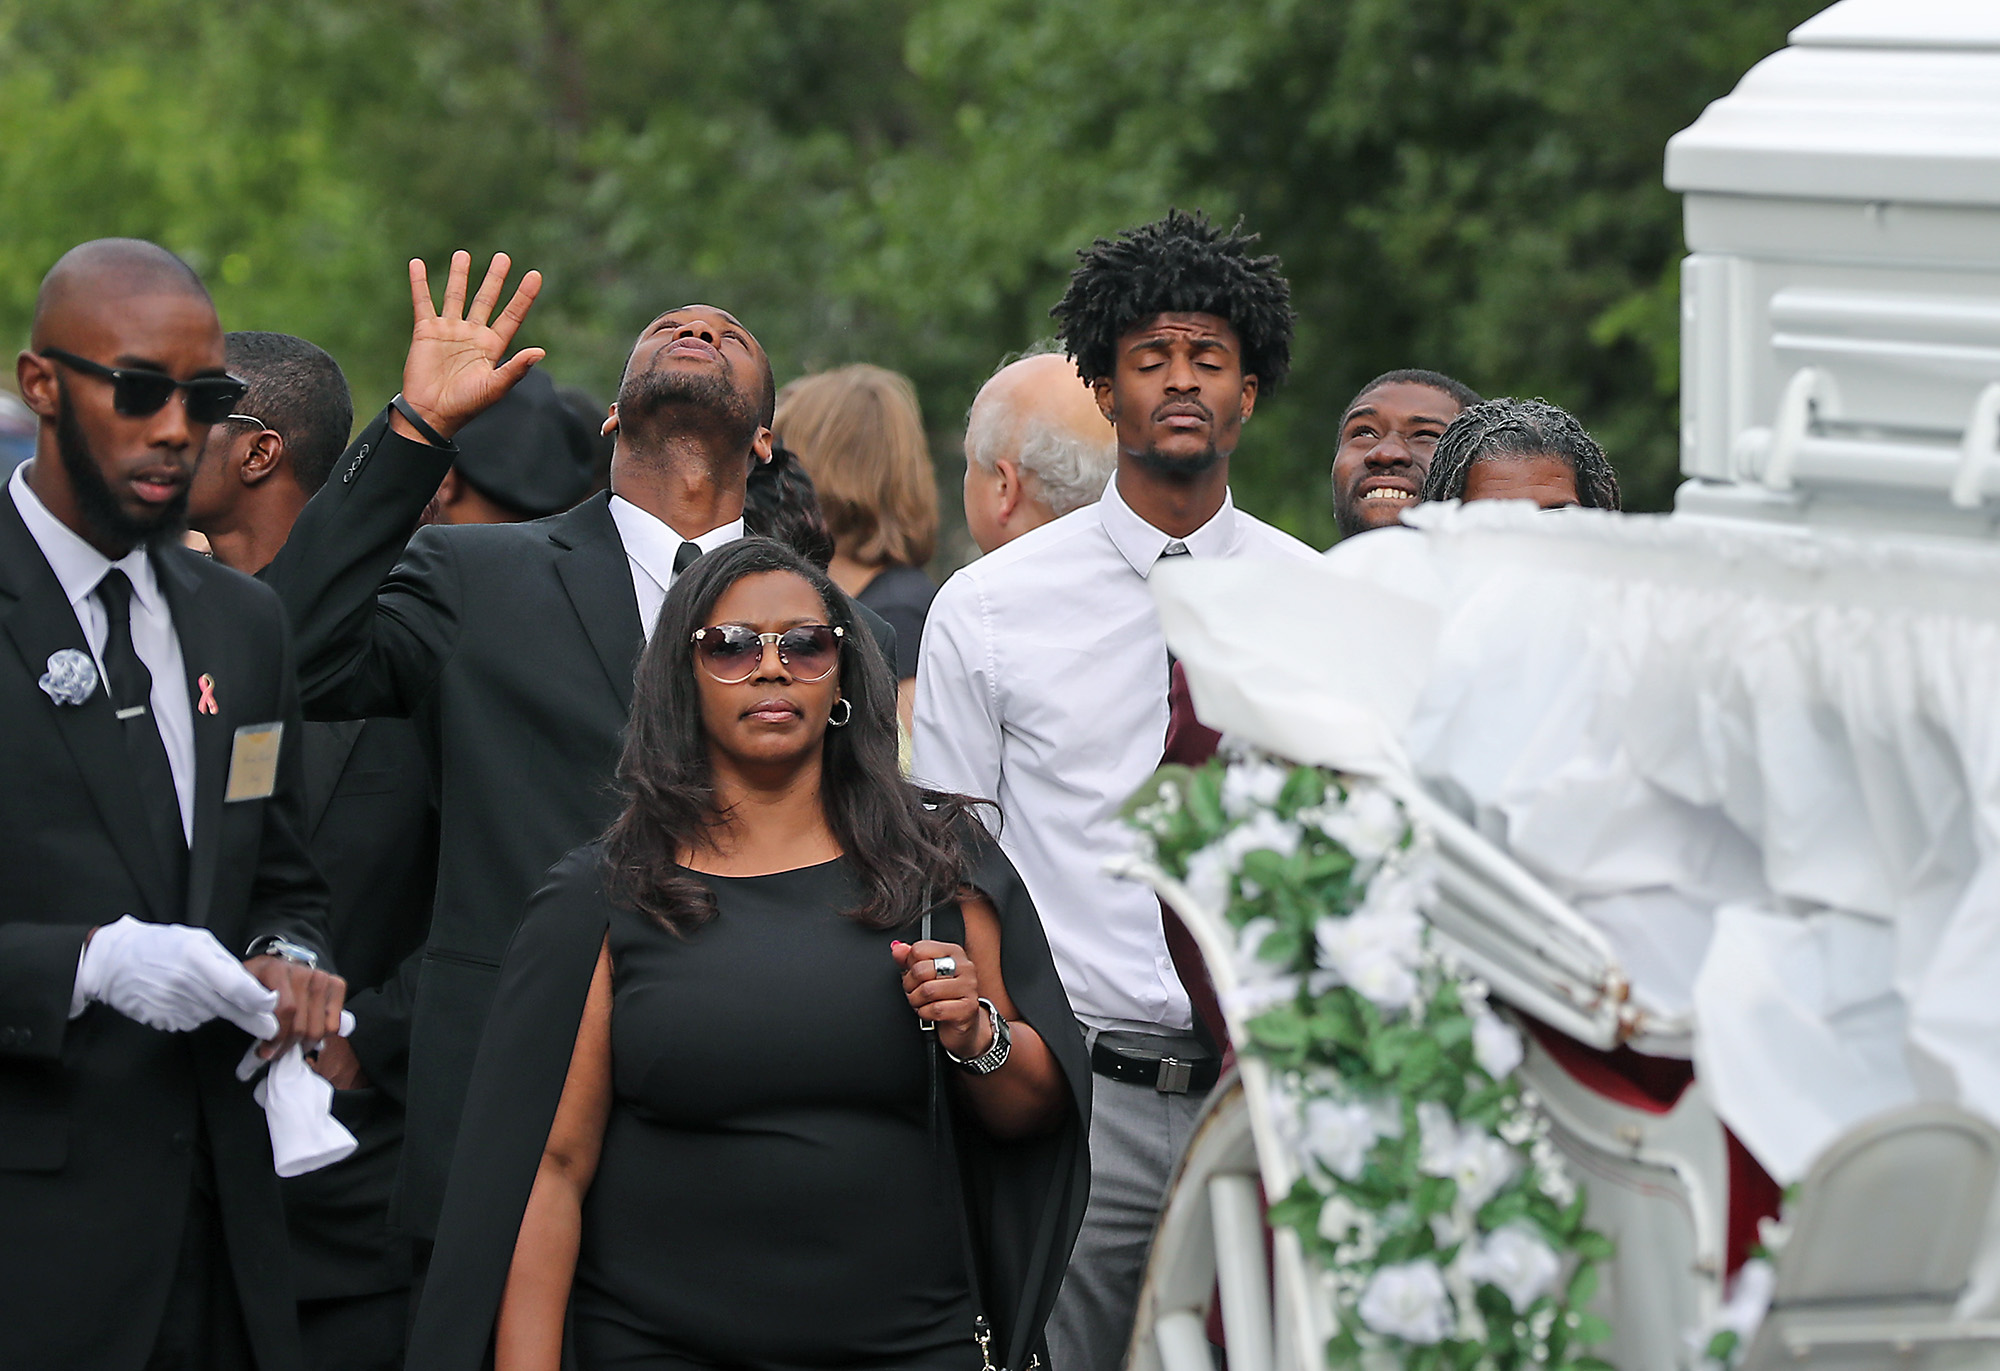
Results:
[1517, 1262]
[1376, 953]
[1208, 877]
[1265, 832]
[1496, 1044]
[1551, 1176]
[1408, 1301]
[1250, 786]
[1370, 825]
[1339, 1134]
[1437, 1139]
[1339, 1216]
[1478, 1161]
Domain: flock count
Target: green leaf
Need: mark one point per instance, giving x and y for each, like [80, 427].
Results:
[1582, 1285]
[1591, 1329]
[1592, 1245]
[1723, 1345]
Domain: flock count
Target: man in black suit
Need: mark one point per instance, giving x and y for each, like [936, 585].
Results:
[519, 639]
[150, 808]
[371, 822]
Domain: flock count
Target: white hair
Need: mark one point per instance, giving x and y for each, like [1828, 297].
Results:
[1070, 471]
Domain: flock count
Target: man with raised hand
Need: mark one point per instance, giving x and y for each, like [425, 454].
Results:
[1044, 685]
[160, 910]
[516, 641]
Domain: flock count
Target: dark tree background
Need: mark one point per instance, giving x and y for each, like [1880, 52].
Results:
[1469, 185]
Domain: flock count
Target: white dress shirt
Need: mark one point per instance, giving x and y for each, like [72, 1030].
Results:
[79, 567]
[1043, 686]
[650, 548]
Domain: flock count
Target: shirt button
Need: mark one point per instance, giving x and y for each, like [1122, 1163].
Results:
[183, 1142]
[9, 1036]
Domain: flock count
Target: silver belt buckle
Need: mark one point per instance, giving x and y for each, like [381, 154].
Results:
[1174, 1076]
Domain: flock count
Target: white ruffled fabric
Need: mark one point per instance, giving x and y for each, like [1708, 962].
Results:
[1766, 765]
[298, 1109]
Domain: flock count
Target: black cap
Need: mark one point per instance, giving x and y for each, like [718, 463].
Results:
[530, 452]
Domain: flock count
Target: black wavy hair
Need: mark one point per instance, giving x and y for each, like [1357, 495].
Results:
[1506, 427]
[906, 846]
[1179, 264]
[779, 502]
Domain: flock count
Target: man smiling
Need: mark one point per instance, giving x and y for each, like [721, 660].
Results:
[1387, 436]
[1044, 685]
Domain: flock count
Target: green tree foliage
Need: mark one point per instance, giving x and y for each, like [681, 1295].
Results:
[1471, 185]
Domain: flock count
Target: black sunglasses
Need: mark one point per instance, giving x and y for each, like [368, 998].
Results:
[734, 652]
[136, 392]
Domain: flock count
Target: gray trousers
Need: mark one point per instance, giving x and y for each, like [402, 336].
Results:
[1137, 1136]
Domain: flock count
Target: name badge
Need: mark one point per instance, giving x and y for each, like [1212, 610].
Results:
[253, 762]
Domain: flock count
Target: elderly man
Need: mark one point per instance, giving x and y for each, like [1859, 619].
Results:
[1036, 448]
[1387, 436]
[1044, 686]
[515, 642]
[159, 898]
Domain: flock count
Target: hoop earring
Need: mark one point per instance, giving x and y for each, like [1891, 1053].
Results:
[841, 722]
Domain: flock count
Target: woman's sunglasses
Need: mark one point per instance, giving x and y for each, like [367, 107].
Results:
[137, 392]
[733, 652]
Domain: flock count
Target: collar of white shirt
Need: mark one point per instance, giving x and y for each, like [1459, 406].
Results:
[78, 565]
[653, 545]
[1142, 545]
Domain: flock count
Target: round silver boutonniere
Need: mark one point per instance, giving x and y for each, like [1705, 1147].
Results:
[71, 678]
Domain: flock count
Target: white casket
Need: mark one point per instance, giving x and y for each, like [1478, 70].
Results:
[1841, 300]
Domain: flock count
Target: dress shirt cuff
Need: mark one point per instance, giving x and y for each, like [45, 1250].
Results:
[77, 999]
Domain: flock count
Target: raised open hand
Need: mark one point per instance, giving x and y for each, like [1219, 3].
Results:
[454, 369]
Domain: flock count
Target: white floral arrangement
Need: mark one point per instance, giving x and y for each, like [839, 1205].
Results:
[1448, 1231]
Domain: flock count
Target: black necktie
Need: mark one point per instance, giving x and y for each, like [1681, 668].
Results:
[131, 687]
[685, 556]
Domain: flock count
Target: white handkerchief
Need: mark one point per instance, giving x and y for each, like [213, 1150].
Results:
[298, 1109]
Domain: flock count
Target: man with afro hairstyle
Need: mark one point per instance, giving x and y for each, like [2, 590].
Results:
[1044, 686]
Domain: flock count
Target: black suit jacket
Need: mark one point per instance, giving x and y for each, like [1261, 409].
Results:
[372, 824]
[517, 643]
[101, 1118]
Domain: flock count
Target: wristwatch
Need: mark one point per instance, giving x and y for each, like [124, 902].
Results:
[283, 948]
[995, 1056]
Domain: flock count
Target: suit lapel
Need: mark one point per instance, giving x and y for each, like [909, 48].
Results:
[327, 748]
[598, 579]
[204, 651]
[40, 622]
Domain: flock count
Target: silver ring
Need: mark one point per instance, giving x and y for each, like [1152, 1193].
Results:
[944, 968]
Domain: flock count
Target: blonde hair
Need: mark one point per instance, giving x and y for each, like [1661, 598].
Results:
[860, 435]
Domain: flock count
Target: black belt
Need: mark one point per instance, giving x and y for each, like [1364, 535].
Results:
[1168, 1075]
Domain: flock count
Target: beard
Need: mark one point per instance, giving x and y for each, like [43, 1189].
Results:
[658, 405]
[1179, 468]
[109, 521]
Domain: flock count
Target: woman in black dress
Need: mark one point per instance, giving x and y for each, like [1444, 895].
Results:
[708, 1123]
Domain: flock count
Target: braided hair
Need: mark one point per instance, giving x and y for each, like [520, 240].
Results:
[1507, 427]
[1181, 264]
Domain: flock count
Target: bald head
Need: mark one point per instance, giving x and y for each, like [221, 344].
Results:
[101, 274]
[1036, 447]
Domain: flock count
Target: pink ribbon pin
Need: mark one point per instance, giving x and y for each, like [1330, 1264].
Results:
[206, 704]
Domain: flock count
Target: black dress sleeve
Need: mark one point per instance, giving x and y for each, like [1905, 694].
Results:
[517, 1083]
[1026, 1196]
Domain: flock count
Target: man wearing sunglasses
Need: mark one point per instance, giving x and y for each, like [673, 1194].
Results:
[512, 644]
[161, 913]
[1045, 681]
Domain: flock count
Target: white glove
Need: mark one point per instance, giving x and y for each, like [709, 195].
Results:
[171, 977]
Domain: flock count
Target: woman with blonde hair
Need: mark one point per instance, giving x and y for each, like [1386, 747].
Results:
[860, 434]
